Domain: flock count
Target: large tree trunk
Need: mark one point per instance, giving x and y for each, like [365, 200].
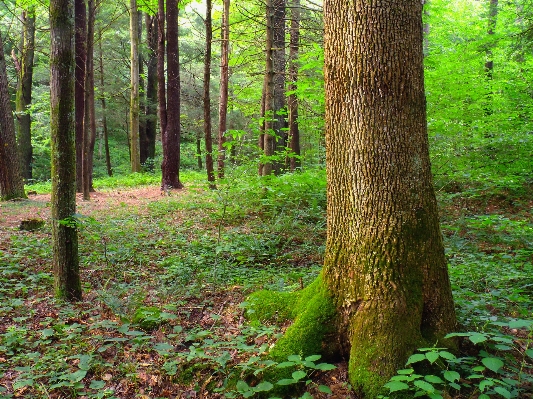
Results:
[104, 108]
[80, 15]
[294, 131]
[224, 82]
[150, 110]
[62, 131]
[89, 120]
[11, 182]
[23, 99]
[384, 265]
[161, 87]
[171, 139]
[135, 161]
[207, 96]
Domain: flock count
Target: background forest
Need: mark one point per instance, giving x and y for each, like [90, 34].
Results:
[165, 278]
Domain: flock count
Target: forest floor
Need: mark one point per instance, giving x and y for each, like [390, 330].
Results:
[165, 280]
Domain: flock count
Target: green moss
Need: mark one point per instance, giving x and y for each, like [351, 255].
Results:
[271, 306]
[147, 317]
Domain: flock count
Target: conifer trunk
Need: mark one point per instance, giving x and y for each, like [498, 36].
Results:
[135, 162]
[224, 83]
[80, 21]
[209, 166]
[294, 131]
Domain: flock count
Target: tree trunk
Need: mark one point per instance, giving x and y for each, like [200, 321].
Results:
[384, 265]
[11, 182]
[80, 20]
[161, 87]
[24, 86]
[62, 131]
[224, 83]
[103, 102]
[142, 93]
[489, 64]
[267, 139]
[171, 139]
[135, 161]
[207, 96]
[199, 151]
[89, 120]
[278, 61]
[148, 144]
[294, 132]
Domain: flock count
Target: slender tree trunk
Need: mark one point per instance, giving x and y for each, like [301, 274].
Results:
[268, 141]
[294, 131]
[384, 264]
[23, 99]
[161, 86]
[89, 121]
[263, 124]
[489, 64]
[171, 142]
[62, 131]
[207, 96]
[11, 181]
[199, 151]
[142, 95]
[80, 15]
[148, 145]
[104, 110]
[134, 101]
[224, 83]
[279, 61]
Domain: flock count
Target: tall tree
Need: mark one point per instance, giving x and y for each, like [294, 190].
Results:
[80, 21]
[172, 133]
[489, 63]
[89, 119]
[11, 182]
[267, 139]
[104, 107]
[292, 102]
[62, 131]
[384, 289]
[135, 161]
[224, 83]
[24, 89]
[207, 95]
[384, 264]
[147, 150]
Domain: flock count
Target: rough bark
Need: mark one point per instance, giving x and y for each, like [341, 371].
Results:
[11, 182]
[150, 110]
[24, 86]
[171, 138]
[104, 108]
[80, 20]
[62, 130]
[89, 120]
[384, 264]
[209, 166]
[279, 64]
[135, 162]
[161, 51]
[267, 140]
[142, 91]
[224, 83]
[292, 102]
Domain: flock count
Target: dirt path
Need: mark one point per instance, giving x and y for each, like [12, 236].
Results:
[38, 206]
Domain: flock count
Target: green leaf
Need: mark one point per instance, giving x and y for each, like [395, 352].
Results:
[435, 396]
[520, 324]
[312, 358]
[97, 384]
[286, 381]
[425, 386]
[242, 386]
[492, 363]
[451, 376]
[529, 352]
[298, 375]
[285, 364]
[48, 332]
[447, 355]
[263, 387]
[405, 371]
[433, 379]
[483, 396]
[325, 389]
[325, 367]
[163, 348]
[22, 383]
[294, 358]
[477, 338]
[77, 376]
[417, 357]
[484, 384]
[396, 386]
[432, 356]
[504, 392]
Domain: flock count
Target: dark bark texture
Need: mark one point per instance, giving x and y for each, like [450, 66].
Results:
[11, 182]
[62, 129]
[384, 264]
[292, 103]
[80, 15]
[224, 82]
[150, 109]
[209, 166]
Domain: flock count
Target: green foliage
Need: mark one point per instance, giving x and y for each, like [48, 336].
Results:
[499, 365]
